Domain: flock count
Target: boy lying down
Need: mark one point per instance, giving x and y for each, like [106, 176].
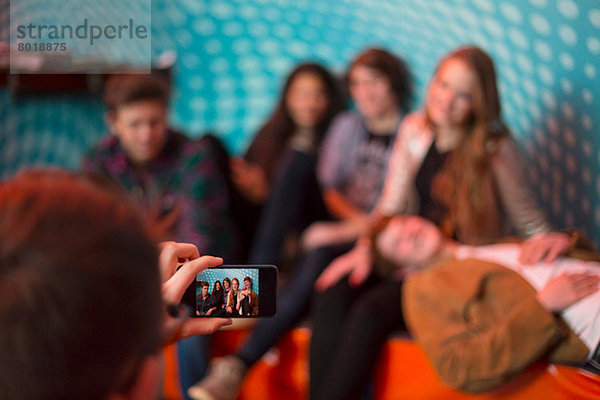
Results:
[481, 316]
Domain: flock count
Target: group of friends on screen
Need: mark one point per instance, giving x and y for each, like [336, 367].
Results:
[227, 299]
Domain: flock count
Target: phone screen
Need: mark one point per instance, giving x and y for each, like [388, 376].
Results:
[234, 291]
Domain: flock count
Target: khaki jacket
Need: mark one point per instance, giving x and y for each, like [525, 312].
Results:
[254, 303]
[481, 324]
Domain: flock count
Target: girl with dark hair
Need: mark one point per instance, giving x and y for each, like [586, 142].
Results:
[351, 163]
[284, 150]
[217, 294]
[455, 164]
[285, 156]
[309, 101]
[351, 169]
[226, 288]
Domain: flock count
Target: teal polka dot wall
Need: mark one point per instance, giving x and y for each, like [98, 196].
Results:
[233, 54]
[212, 275]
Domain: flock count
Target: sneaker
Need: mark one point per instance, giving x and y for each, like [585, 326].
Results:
[222, 382]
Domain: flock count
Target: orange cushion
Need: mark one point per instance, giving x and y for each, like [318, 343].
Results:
[403, 372]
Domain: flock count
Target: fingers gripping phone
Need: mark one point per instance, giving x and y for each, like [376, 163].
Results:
[234, 291]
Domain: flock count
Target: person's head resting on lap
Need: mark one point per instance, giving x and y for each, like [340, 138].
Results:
[411, 241]
[80, 294]
[137, 113]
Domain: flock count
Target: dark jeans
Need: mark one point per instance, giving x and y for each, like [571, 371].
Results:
[295, 201]
[245, 306]
[350, 326]
[192, 355]
[293, 302]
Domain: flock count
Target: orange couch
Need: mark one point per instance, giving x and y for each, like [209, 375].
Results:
[404, 372]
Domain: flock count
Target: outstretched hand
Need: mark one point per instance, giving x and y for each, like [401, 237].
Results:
[319, 234]
[176, 281]
[566, 290]
[546, 247]
[357, 263]
[327, 233]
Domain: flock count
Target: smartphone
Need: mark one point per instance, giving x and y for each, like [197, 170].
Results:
[234, 291]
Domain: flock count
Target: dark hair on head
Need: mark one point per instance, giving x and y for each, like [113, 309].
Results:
[204, 283]
[80, 292]
[125, 89]
[226, 280]
[249, 280]
[215, 286]
[393, 68]
[268, 145]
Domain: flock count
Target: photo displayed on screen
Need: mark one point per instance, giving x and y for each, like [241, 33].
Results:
[227, 293]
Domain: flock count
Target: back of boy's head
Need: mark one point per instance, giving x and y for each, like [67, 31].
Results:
[79, 289]
[125, 89]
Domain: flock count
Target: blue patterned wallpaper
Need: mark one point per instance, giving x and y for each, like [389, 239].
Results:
[232, 55]
[218, 274]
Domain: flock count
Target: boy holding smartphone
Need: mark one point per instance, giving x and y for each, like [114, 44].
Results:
[83, 295]
[173, 179]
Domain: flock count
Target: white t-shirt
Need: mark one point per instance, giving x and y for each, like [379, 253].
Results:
[583, 317]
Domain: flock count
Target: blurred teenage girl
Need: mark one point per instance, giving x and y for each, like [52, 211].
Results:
[232, 298]
[351, 170]
[280, 163]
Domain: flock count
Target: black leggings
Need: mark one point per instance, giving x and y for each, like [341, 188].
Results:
[293, 303]
[350, 326]
[295, 202]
